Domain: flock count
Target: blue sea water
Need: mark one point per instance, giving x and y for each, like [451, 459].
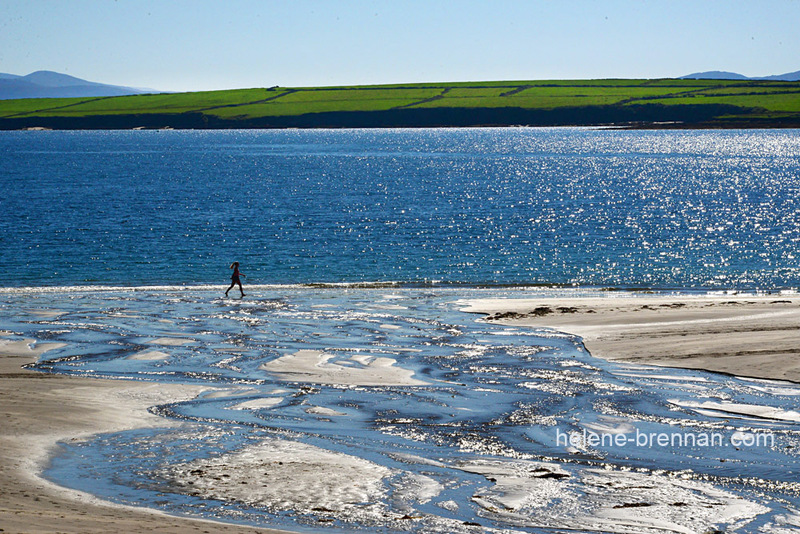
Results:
[361, 246]
[567, 206]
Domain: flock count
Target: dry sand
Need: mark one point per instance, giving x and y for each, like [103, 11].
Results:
[748, 336]
[36, 411]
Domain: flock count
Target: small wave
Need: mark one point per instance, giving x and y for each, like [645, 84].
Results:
[389, 284]
[544, 290]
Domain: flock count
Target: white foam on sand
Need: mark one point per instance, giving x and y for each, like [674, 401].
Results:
[730, 409]
[255, 404]
[783, 392]
[788, 523]
[327, 412]
[772, 387]
[537, 494]
[676, 378]
[388, 307]
[284, 476]
[315, 366]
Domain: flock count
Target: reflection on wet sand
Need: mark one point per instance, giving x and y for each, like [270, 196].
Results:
[356, 409]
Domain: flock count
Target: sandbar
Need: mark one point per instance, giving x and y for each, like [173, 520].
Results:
[755, 336]
[316, 366]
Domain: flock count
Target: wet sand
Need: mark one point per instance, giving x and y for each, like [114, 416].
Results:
[748, 336]
[36, 411]
[741, 335]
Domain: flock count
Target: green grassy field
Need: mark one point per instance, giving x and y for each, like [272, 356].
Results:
[712, 102]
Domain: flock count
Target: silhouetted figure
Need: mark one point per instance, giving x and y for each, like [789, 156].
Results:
[235, 278]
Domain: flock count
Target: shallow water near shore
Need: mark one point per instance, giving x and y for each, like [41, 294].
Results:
[390, 409]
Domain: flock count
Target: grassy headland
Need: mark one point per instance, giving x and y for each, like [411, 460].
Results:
[625, 103]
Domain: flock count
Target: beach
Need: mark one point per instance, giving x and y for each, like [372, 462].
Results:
[754, 336]
[741, 335]
[40, 409]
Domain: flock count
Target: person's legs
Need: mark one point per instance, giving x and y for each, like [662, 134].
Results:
[232, 284]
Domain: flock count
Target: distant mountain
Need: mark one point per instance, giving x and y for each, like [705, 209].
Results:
[48, 84]
[714, 75]
[722, 75]
[788, 77]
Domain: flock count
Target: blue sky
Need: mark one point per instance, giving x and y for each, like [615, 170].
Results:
[183, 45]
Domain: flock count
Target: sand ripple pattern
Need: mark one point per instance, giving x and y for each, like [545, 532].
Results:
[381, 409]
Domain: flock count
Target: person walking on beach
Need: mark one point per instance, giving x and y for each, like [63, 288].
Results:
[235, 278]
